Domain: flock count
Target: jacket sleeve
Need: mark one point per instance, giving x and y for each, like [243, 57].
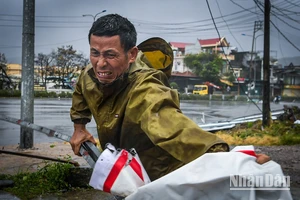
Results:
[80, 112]
[158, 112]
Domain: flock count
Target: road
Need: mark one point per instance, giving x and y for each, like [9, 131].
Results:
[54, 114]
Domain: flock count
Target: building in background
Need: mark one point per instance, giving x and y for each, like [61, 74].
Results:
[183, 75]
[286, 80]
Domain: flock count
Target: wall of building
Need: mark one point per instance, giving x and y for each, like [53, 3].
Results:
[13, 69]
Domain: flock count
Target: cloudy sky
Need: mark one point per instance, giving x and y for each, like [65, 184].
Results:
[60, 23]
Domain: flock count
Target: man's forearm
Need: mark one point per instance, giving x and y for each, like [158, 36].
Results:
[81, 121]
[79, 126]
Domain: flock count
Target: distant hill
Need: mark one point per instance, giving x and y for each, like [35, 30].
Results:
[288, 60]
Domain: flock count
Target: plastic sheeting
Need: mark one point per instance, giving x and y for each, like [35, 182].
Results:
[217, 176]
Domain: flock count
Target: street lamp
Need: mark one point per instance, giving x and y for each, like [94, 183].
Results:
[243, 34]
[94, 16]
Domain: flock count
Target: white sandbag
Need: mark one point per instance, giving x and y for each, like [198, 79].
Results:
[118, 172]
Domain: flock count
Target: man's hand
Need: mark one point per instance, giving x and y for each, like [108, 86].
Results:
[80, 135]
[262, 158]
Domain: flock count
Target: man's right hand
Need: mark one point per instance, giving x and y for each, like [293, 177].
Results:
[80, 135]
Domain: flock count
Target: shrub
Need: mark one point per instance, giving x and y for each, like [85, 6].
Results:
[51, 178]
[174, 85]
[279, 133]
[10, 93]
[290, 139]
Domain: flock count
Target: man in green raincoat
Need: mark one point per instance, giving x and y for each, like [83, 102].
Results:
[126, 91]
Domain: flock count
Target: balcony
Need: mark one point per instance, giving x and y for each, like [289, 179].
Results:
[229, 57]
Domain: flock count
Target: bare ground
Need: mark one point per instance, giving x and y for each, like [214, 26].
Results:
[289, 159]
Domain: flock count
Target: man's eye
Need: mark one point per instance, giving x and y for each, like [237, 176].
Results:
[109, 55]
[95, 53]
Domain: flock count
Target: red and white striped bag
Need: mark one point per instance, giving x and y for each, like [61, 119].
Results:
[118, 171]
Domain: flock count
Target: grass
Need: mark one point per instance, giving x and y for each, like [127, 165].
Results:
[49, 179]
[279, 133]
[37, 94]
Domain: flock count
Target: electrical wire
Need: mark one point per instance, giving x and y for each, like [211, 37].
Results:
[279, 42]
[43, 45]
[293, 4]
[212, 18]
[245, 9]
[282, 14]
[228, 26]
[236, 22]
[258, 5]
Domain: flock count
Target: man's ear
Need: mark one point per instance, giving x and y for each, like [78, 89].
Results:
[132, 54]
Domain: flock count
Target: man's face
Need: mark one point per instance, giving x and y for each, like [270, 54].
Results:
[108, 57]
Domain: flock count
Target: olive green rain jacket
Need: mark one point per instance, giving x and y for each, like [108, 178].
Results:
[139, 110]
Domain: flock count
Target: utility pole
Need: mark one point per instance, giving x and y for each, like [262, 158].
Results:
[257, 27]
[266, 121]
[27, 87]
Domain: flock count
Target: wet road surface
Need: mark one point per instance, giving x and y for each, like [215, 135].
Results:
[54, 114]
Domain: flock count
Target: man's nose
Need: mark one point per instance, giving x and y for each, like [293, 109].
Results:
[101, 62]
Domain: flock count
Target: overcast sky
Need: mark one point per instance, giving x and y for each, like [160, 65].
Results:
[60, 23]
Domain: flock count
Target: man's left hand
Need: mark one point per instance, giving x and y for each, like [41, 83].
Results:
[262, 158]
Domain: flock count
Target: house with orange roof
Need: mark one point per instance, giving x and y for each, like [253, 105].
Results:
[179, 47]
[213, 45]
[179, 54]
[218, 46]
[181, 74]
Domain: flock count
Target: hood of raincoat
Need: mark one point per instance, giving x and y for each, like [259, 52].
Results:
[159, 54]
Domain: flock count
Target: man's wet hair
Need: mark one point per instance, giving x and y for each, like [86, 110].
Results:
[114, 24]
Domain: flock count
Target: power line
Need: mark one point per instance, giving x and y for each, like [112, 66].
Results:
[181, 23]
[284, 36]
[283, 14]
[293, 4]
[44, 21]
[43, 45]
[228, 26]
[280, 48]
[212, 17]
[249, 10]
[39, 26]
[42, 16]
[257, 3]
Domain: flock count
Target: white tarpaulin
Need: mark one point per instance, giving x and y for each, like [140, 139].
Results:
[220, 176]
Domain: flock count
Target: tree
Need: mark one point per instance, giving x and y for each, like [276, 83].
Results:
[5, 81]
[231, 77]
[84, 62]
[3, 58]
[205, 65]
[44, 61]
[67, 59]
